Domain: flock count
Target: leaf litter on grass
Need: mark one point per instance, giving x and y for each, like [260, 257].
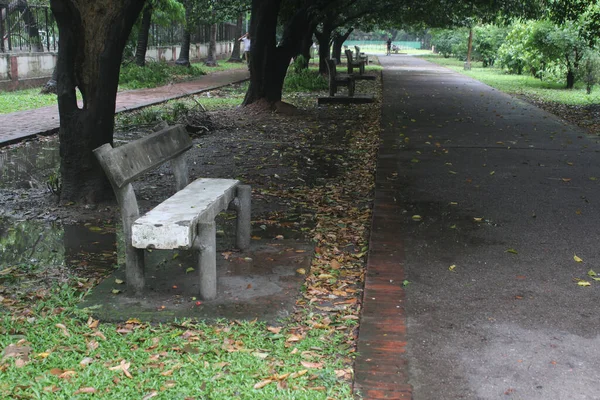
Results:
[325, 186]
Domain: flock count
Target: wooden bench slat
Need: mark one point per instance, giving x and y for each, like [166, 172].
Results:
[125, 163]
[171, 224]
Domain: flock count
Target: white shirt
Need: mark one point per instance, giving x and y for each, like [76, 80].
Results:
[246, 43]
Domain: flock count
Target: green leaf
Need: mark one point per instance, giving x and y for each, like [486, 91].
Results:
[512, 251]
[190, 269]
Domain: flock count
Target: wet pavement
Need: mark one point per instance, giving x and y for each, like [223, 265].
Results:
[496, 206]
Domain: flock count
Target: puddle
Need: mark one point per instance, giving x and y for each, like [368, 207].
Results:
[29, 245]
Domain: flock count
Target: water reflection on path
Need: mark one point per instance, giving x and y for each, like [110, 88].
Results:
[44, 243]
[48, 244]
[29, 164]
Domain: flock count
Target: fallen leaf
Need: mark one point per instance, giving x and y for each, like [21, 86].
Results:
[262, 384]
[591, 273]
[577, 259]
[301, 271]
[307, 364]
[452, 268]
[85, 390]
[119, 281]
[566, 179]
[274, 329]
[512, 251]
[416, 217]
[584, 283]
[63, 329]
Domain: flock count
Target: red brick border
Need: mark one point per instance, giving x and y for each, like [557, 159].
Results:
[380, 369]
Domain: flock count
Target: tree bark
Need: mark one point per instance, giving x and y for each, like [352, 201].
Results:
[338, 42]
[51, 85]
[211, 59]
[324, 39]
[235, 53]
[268, 61]
[184, 54]
[92, 39]
[570, 79]
[142, 40]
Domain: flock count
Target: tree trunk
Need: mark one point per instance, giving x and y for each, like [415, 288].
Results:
[570, 79]
[235, 53]
[142, 40]
[92, 39]
[184, 54]
[469, 49]
[211, 59]
[324, 39]
[338, 42]
[51, 85]
[268, 61]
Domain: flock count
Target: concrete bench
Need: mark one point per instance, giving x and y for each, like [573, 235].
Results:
[185, 220]
[361, 56]
[336, 79]
[352, 63]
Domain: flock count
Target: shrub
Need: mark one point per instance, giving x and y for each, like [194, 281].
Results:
[306, 80]
[155, 74]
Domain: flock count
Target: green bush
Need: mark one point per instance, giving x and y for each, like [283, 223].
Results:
[306, 80]
[155, 74]
[487, 39]
[447, 41]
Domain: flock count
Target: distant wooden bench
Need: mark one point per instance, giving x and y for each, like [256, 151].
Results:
[185, 220]
[361, 56]
[336, 79]
[354, 63]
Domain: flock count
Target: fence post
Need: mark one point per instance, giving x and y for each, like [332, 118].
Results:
[2, 30]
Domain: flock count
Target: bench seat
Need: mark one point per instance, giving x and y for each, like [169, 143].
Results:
[172, 223]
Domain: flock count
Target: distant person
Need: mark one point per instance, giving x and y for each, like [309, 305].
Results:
[389, 46]
[245, 39]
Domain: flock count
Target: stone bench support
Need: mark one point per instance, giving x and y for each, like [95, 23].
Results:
[185, 220]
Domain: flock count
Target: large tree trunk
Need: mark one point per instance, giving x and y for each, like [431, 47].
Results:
[184, 54]
[211, 59]
[570, 79]
[142, 39]
[324, 39]
[92, 38]
[338, 42]
[268, 61]
[51, 85]
[235, 53]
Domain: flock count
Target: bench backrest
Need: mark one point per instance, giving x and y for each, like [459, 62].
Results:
[331, 69]
[349, 56]
[125, 163]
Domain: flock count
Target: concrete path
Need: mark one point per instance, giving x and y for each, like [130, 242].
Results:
[486, 204]
[20, 125]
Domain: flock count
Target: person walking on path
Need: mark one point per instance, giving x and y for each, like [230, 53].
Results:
[245, 39]
[389, 46]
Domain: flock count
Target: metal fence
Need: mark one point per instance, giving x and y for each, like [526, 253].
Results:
[27, 28]
[173, 35]
[33, 28]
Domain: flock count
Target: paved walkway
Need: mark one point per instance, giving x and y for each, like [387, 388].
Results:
[19, 125]
[484, 204]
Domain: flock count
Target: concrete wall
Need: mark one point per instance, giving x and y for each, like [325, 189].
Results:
[23, 70]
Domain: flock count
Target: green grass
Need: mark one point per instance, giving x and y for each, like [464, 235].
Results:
[525, 85]
[66, 351]
[22, 100]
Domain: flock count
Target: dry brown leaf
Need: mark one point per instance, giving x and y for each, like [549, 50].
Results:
[307, 364]
[274, 329]
[63, 329]
[85, 390]
[262, 383]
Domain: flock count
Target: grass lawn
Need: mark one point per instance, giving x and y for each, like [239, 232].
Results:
[521, 84]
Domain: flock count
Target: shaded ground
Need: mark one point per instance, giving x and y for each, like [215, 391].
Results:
[295, 163]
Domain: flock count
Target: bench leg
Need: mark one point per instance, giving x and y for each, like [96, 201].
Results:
[351, 88]
[206, 247]
[243, 228]
[134, 267]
